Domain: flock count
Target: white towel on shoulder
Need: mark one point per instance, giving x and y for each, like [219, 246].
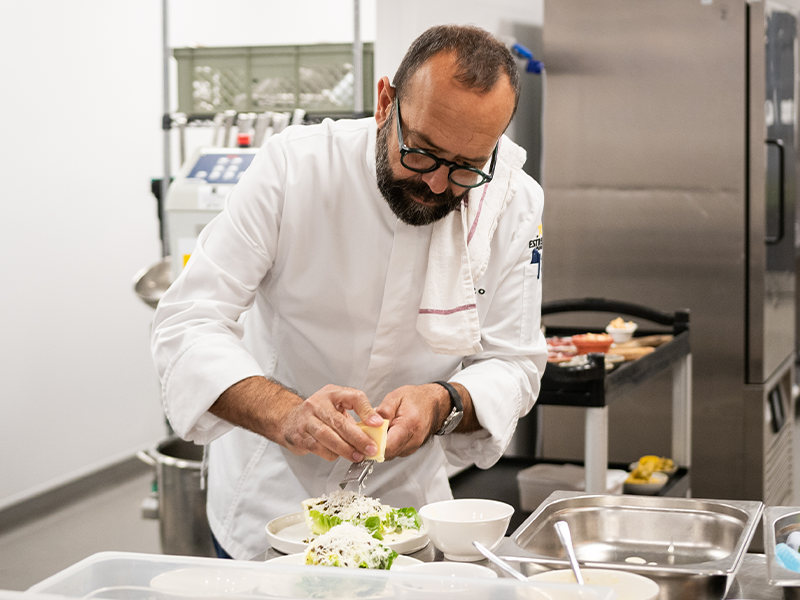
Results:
[458, 256]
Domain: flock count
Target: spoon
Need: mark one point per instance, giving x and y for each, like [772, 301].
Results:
[562, 529]
[499, 562]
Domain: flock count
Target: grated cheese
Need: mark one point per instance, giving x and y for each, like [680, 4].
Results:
[347, 505]
[346, 545]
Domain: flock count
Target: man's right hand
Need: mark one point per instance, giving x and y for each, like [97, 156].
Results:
[320, 425]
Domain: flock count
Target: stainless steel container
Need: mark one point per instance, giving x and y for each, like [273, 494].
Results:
[779, 522]
[692, 548]
[183, 523]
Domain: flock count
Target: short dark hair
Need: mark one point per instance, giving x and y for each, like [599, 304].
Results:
[480, 58]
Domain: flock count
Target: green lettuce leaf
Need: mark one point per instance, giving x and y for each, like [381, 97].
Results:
[374, 526]
[322, 523]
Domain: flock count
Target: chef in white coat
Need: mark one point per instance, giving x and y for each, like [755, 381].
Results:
[387, 267]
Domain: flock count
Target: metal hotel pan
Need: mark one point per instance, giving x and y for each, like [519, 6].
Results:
[692, 548]
[779, 522]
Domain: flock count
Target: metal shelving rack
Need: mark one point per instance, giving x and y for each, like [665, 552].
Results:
[593, 388]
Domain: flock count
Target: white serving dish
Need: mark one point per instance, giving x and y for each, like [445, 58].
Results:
[453, 525]
[657, 482]
[287, 534]
[205, 581]
[452, 569]
[628, 586]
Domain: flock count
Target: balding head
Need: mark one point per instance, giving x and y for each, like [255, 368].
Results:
[479, 59]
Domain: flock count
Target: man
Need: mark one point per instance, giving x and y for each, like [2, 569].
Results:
[358, 262]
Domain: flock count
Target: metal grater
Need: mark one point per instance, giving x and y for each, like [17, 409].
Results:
[357, 472]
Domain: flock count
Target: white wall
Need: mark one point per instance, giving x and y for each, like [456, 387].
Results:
[81, 107]
[399, 23]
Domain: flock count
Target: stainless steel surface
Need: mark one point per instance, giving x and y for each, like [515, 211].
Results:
[263, 121]
[769, 450]
[772, 192]
[660, 190]
[357, 473]
[183, 523]
[230, 118]
[492, 557]
[692, 548]
[151, 283]
[779, 522]
[181, 120]
[562, 529]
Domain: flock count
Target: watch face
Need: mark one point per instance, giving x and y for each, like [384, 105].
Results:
[455, 420]
[451, 422]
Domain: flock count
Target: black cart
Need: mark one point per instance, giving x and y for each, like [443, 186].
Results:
[594, 388]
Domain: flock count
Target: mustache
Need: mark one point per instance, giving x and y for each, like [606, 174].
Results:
[421, 190]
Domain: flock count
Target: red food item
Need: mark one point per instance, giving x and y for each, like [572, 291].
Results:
[561, 344]
[592, 342]
[559, 357]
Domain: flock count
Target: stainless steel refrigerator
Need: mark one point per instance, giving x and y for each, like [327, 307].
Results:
[669, 161]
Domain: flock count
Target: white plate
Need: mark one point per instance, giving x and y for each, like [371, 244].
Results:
[286, 534]
[206, 581]
[300, 559]
[328, 582]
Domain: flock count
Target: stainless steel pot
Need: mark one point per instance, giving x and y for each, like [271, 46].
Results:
[181, 500]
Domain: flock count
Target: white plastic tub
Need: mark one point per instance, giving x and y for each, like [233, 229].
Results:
[536, 483]
[131, 576]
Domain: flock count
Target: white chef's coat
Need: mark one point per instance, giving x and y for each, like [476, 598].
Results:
[307, 277]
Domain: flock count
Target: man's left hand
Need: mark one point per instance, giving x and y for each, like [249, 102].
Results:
[417, 412]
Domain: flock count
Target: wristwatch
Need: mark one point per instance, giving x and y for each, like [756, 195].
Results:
[454, 418]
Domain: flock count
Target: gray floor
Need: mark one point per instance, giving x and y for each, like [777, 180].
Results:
[109, 520]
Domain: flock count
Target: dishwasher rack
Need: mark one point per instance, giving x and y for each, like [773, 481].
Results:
[590, 386]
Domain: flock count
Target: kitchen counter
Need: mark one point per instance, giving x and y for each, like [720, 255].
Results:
[751, 581]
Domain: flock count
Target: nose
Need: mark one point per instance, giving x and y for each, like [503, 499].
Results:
[437, 180]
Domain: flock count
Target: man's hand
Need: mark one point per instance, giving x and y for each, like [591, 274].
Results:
[416, 413]
[323, 426]
[320, 425]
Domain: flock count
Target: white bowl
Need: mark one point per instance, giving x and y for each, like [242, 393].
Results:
[452, 526]
[621, 334]
[657, 481]
[629, 586]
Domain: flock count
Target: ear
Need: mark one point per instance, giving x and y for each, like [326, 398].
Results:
[385, 99]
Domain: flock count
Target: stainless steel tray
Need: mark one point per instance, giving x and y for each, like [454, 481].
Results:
[692, 548]
[779, 522]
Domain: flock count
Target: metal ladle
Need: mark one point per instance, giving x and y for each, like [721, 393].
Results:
[499, 561]
[562, 529]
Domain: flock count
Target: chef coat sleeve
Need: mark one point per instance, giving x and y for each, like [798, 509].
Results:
[505, 377]
[197, 336]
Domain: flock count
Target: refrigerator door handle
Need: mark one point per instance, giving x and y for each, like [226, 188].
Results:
[781, 191]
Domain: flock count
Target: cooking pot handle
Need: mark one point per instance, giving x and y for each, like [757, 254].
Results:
[146, 458]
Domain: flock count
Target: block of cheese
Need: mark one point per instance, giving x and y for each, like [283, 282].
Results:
[378, 434]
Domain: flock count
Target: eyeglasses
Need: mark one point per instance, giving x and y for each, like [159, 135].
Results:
[422, 161]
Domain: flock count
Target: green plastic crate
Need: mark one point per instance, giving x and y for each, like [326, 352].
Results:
[317, 78]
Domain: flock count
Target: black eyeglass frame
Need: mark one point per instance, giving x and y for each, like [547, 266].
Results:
[405, 150]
